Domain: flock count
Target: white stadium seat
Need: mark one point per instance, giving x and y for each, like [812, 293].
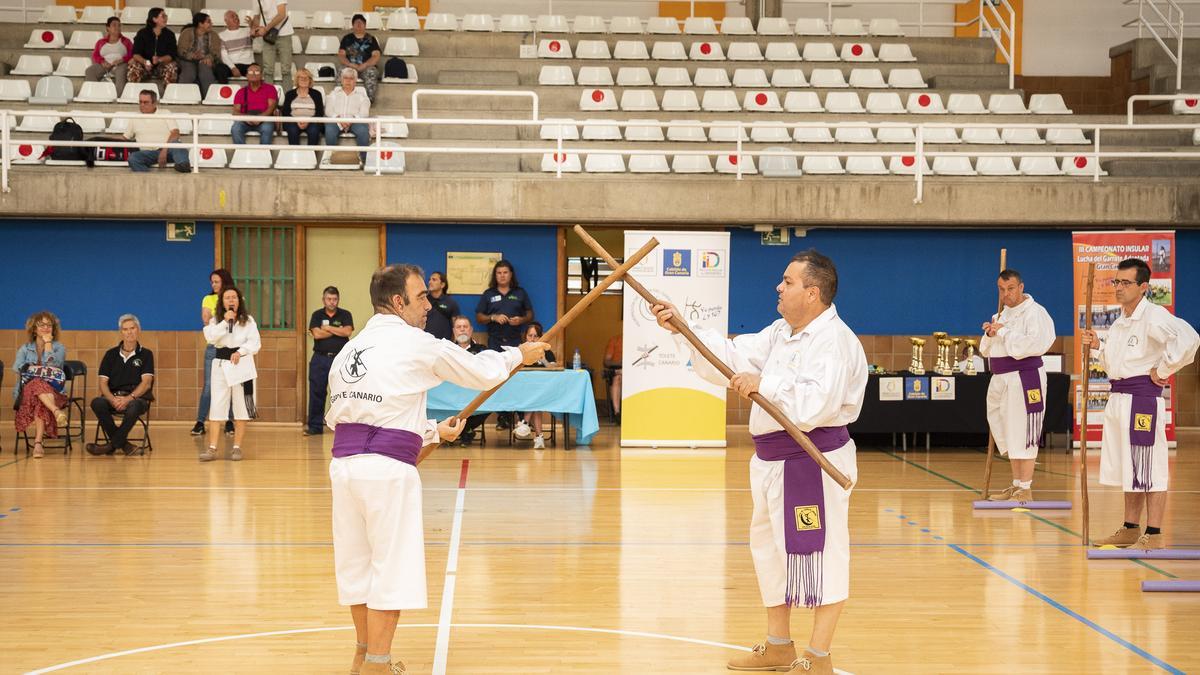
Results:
[478, 23]
[555, 76]
[635, 76]
[553, 48]
[662, 25]
[731, 164]
[631, 50]
[315, 67]
[89, 125]
[592, 49]
[669, 76]
[402, 46]
[28, 153]
[965, 104]
[802, 102]
[567, 162]
[1039, 166]
[297, 18]
[72, 66]
[292, 159]
[404, 19]
[848, 27]
[443, 21]
[31, 121]
[706, 51]
[603, 162]
[57, 14]
[691, 164]
[515, 23]
[1081, 165]
[778, 166]
[626, 25]
[750, 77]
[650, 163]
[885, 27]
[600, 130]
[782, 51]
[729, 132]
[712, 77]
[744, 51]
[941, 135]
[906, 165]
[53, 90]
[903, 135]
[788, 78]
[45, 38]
[638, 133]
[1187, 106]
[181, 94]
[774, 25]
[551, 128]
[825, 165]
[219, 94]
[1022, 136]
[97, 92]
[854, 134]
[981, 136]
[929, 104]
[906, 78]
[871, 165]
[668, 51]
[884, 103]
[638, 100]
[133, 90]
[84, 39]
[1066, 137]
[761, 101]
[588, 25]
[811, 27]
[996, 166]
[18, 90]
[393, 128]
[135, 15]
[720, 100]
[322, 44]
[819, 51]
[595, 76]
[737, 25]
[953, 165]
[211, 125]
[686, 131]
[699, 25]
[597, 99]
[1007, 104]
[827, 78]
[251, 158]
[858, 51]
[769, 132]
[1048, 104]
[390, 160]
[96, 14]
[867, 78]
[812, 135]
[551, 23]
[843, 102]
[179, 16]
[327, 20]
[895, 53]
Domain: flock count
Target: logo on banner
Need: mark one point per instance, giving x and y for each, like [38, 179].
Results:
[942, 388]
[677, 262]
[710, 263]
[808, 518]
[646, 266]
[1141, 422]
[916, 389]
[891, 389]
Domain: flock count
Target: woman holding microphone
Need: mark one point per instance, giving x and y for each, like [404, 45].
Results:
[234, 334]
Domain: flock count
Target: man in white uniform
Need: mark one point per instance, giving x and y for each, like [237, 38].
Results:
[813, 367]
[1144, 347]
[1014, 342]
[378, 384]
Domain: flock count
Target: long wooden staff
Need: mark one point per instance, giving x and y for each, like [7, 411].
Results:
[618, 272]
[987, 467]
[1083, 432]
[679, 325]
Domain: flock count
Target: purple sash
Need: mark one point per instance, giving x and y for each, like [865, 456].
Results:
[803, 507]
[1143, 422]
[350, 438]
[1029, 370]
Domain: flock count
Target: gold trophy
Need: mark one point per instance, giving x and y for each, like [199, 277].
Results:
[970, 367]
[954, 342]
[940, 366]
[917, 366]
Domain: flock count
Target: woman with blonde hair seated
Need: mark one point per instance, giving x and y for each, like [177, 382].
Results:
[38, 397]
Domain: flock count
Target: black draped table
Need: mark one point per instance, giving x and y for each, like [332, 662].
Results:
[964, 419]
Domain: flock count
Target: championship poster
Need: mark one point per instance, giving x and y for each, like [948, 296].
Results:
[1106, 249]
[663, 402]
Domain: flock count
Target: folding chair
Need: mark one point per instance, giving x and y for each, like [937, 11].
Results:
[142, 444]
[76, 414]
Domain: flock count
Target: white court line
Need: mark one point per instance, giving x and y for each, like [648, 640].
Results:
[84, 488]
[441, 648]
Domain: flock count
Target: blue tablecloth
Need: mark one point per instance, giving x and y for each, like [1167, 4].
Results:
[561, 392]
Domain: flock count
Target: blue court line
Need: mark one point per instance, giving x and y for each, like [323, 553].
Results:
[1069, 612]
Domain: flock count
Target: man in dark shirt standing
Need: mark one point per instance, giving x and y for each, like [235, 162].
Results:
[126, 375]
[442, 310]
[504, 307]
[331, 327]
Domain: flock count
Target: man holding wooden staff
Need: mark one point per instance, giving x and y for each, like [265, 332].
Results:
[378, 385]
[812, 367]
[1014, 342]
[1144, 347]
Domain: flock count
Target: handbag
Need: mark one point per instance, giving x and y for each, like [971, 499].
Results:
[51, 375]
[271, 36]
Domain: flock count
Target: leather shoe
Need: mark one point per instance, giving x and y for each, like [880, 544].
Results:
[100, 449]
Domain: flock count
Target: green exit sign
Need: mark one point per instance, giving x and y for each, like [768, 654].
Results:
[181, 231]
[776, 237]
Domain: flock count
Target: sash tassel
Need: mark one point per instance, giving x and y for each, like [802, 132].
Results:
[1033, 429]
[804, 579]
[1143, 467]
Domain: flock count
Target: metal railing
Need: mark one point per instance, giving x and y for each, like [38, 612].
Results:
[1193, 98]
[1000, 29]
[25, 9]
[917, 150]
[1172, 25]
[920, 24]
[1136, 21]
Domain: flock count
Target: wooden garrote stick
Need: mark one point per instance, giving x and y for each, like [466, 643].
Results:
[987, 467]
[679, 325]
[1086, 358]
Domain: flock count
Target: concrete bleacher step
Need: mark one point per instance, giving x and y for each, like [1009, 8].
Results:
[494, 133]
[959, 82]
[477, 78]
[474, 163]
[1152, 168]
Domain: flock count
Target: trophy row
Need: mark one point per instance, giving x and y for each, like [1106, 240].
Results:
[947, 352]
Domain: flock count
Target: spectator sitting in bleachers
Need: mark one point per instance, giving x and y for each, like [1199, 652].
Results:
[158, 132]
[110, 57]
[38, 396]
[154, 50]
[126, 376]
[256, 98]
[348, 102]
[237, 49]
[303, 101]
[199, 52]
[360, 51]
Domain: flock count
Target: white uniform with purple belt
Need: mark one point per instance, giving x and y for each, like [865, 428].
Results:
[378, 385]
[817, 377]
[1027, 334]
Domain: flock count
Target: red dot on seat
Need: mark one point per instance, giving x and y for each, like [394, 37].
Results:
[706, 49]
[856, 50]
[388, 155]
[555, 46]
[25, 150]
[908, 160]
[924, 100]
[47, 36]
[1080, 162]
[559, 157]
[226, 92]
[206, 153]
[1191, 102]
[760, 99]
[597, 95]
[733, 160]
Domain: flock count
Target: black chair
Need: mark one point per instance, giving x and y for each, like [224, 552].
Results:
[76, 414]
[142, 444]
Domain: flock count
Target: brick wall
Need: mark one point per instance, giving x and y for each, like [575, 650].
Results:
[178, 359]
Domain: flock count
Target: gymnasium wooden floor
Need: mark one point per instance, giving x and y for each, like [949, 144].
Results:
[564, 562]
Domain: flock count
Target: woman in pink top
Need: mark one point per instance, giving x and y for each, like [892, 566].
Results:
[110, 57]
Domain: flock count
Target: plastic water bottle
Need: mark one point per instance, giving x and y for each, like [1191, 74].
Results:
[575, 362]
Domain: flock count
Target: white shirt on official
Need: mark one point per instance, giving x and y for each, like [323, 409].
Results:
[1027, 331]
[1150, 337]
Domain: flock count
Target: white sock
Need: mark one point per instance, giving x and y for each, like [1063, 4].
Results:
[1016, 483]
[378, 658]
[772, 640]
[1025, 484]
[816, 652]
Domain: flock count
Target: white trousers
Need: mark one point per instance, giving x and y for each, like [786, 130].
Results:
[767, 545]
[1007, 418]
[222, 392]
[1116, 455]
[378, 532]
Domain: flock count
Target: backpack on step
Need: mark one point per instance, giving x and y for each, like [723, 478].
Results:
[395, 68]
[68, 130]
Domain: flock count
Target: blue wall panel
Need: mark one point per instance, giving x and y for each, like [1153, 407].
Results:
[531, 249]
[90, 272]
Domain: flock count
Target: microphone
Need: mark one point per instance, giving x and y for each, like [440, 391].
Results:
[230, 321]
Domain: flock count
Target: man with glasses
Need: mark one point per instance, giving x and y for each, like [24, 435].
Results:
[1144, 347]
[1014, 342]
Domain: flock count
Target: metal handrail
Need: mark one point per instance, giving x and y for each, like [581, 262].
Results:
[1173, 28]
[1155, 97]
[1008, 29]
[919, 151]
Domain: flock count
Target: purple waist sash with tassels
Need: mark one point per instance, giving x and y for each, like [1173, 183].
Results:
[803, 506]
[1029, 370]
[1143, 424]
[351, 438]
